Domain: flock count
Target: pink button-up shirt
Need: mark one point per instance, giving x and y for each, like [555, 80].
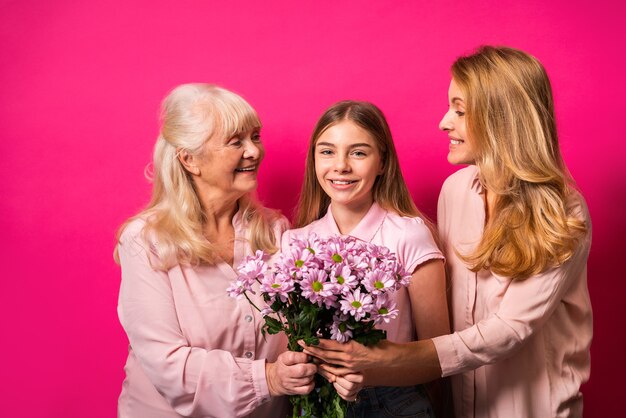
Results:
[521, 347]
[194, 351]
[409, 238]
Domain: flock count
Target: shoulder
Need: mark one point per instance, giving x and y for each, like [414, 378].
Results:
[314, 226]
[414, 241]
[413, 229]
[462, 178]
[132, 232]
[404, 224]
[307, 229]
[280, 224]
[577, 206]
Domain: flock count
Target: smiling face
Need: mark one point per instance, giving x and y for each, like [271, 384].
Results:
[462, 149]
[347, 162]
[227, 168]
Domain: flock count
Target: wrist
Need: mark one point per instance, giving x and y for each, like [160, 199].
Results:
[269, 378]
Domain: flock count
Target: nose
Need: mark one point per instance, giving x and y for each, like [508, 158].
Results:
[341, 164]
[446, 122]
[252, 150]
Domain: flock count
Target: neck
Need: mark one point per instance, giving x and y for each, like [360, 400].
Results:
[218, 215]
[347, 217]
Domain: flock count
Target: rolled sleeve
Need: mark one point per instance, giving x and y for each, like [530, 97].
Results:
[525, 307]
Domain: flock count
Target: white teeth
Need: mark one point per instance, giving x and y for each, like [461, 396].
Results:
[341, 182]
[245, 169]
[455, 142]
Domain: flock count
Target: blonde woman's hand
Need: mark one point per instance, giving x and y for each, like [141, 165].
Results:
[350, 357]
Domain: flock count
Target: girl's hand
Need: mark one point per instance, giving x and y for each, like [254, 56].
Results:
[347, 386]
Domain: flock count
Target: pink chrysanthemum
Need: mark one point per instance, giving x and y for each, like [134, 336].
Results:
[343, 279]
[316, 288]
[384, 309]
[340, 330]
[278, 285]
[378, 281]
[356, 304]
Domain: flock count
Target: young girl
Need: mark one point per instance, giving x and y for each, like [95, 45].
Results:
[353, 186]
[517, 236]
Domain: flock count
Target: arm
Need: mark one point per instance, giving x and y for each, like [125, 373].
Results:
[429, 306]
[194, 380]
[523, 310]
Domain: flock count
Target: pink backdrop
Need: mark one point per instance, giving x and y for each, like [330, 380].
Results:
[80, 85]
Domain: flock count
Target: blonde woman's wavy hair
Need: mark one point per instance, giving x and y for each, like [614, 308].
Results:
[510, 119]
[191, 115]
[389, 190]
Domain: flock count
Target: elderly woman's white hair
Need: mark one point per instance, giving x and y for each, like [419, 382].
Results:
[191, 115]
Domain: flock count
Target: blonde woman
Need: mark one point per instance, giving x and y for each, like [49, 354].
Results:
[194, 351]
[517, 236]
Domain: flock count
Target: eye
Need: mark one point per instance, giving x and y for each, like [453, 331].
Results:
[459, 113]
[256, 137]
[325, 151]
[359, 153]
[235, 141]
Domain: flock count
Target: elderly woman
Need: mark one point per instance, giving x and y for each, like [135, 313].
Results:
[194, 351]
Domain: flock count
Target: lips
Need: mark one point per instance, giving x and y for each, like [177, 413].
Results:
[246, 169]
[342, 182]
[455, 141]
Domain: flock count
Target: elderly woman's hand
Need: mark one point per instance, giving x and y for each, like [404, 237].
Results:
[291, 374]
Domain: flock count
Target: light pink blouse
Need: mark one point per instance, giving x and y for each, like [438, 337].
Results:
[521, 347]
[409, 238]
[194, 351]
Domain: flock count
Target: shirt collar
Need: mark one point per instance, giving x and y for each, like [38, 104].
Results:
[366, 228]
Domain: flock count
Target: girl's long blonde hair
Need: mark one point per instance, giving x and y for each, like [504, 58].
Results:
[191, 115]
[389, 190]
[510, 119]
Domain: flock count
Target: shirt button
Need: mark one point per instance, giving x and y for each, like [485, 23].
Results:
[248, 354]
[248, 318]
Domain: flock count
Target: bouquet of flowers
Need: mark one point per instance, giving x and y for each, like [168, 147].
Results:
[337, 288]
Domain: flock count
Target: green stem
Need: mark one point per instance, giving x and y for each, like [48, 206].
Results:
[251, 303]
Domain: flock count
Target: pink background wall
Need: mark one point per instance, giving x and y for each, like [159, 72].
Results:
[80, 85]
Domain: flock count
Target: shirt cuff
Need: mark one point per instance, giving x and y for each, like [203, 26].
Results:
[449, 358]
[259, 381]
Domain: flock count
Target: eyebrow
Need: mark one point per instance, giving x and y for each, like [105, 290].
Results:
[457, 99]
[328, 144]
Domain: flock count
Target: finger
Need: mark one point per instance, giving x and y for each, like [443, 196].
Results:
[328, 356]
[303, 370]
[324, 344]
[348, 385]
[334, 369]
[302, 390]
[290, 358]
[328, 376]
[346, 394]
[354, 377]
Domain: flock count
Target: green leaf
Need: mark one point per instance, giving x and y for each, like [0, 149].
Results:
[311, 340]
[273, 325]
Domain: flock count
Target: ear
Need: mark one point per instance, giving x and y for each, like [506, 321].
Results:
[381, 167]
[188, 161]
